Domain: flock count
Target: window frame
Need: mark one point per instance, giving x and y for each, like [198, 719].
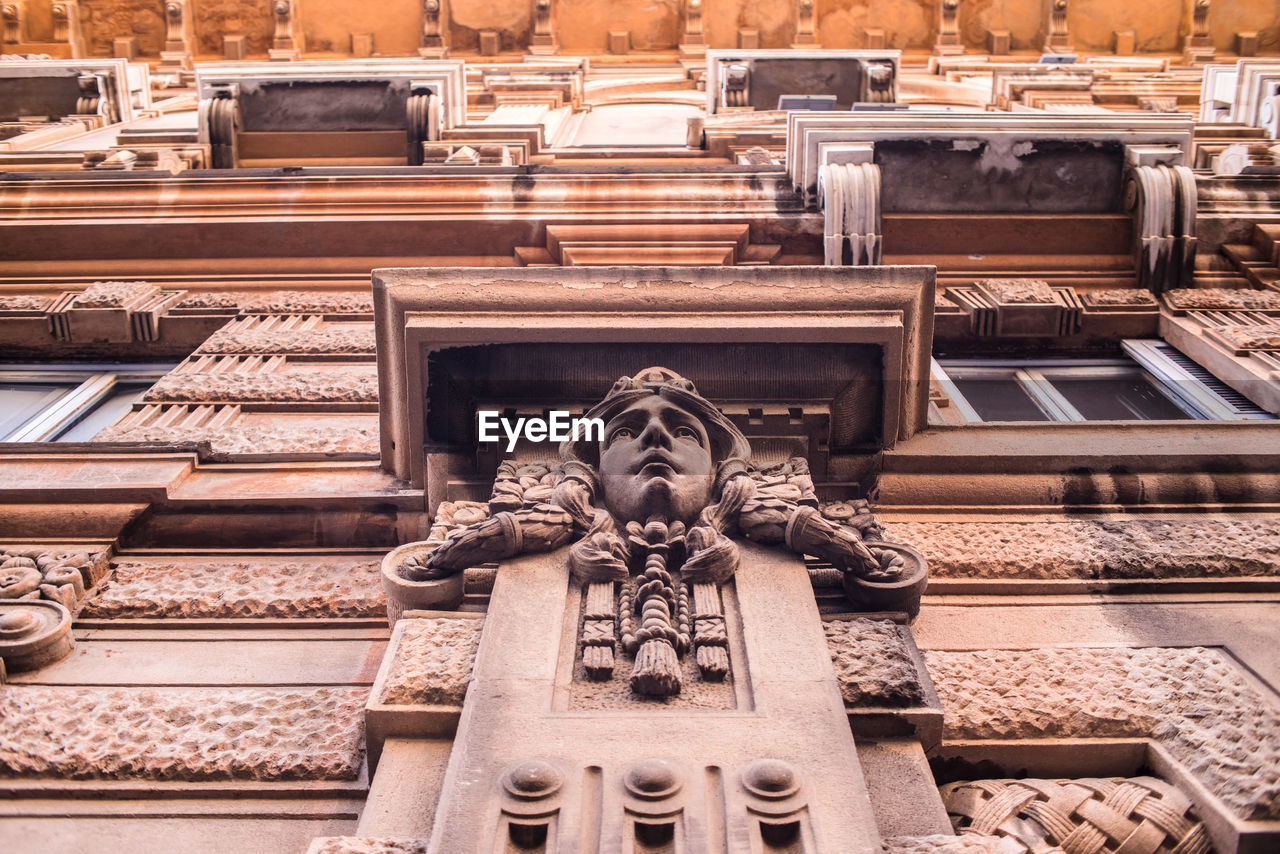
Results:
[1035, 378]
[88, 386]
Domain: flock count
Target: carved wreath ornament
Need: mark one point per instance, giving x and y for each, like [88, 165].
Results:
[650, 513]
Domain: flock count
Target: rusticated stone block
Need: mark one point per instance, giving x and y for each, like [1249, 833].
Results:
[304, 302]
[214, 299]
[240, 588]
[334, 386]
[113, 294]
[240, 440]
[873, 665]
[366, 845]
[942, 844]
[1231, 299]
[23, 302]
[291, 341]
[181, 733]
[1140, 548]
[432, 665]
[1194, 701]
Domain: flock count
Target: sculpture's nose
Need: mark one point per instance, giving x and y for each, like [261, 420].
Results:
[655, 434]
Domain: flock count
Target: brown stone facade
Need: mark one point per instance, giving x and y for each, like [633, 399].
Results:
[934, 500]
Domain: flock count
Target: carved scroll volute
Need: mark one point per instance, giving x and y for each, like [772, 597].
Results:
[66, 25]
[1199, 44]
[806, 20]
[948, 41]
[424, 113]
[435, 28]
[692, 22]
[543, 40]
[1162, 199]
[175, 15]
[285, 43]
[1057, 40]
[12, 19]
[849, 195]
[219, 122]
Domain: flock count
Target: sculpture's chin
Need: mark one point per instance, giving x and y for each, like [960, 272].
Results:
[675, 498]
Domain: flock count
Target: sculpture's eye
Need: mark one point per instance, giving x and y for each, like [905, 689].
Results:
[622, 433]
[688, 433]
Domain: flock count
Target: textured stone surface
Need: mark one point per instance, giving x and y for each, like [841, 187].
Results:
[239, 440]
[366, 845]
[112, 294]
[433, 662]
[304, 302]
[332, 386]
[1139, 548]
[1263, 336]
[181, 733]
[213, 299]
[1118, 296]
[1223, 298]
[873, 664]
[1192, 700]
[942, 844]
[308, 341]
[1034, 291]
[241, 588]
[23, 302]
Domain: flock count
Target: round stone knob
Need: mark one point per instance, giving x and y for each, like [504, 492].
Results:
[17, 624]
[533, 779]
[770, 778]
[652, 779]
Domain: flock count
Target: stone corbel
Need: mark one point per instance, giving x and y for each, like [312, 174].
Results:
[178, 36]
[66, 26]
[424, 112]
[849, 196]
[12, 18]
[219, 122]
[285, 45]
[879, 82]
[543, 41]
[435, 30]
[948, 42]
[735, 85]
[806, 20]
[1160, 193]
[1198, 48]
[1057, 39]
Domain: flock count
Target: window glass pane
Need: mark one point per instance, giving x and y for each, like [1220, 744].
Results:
[20, 402]
[108, 411]
[998, 399]
[1132, 397]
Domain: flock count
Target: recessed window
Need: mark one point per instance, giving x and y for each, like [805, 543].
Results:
[1153, 382]
[68, 403]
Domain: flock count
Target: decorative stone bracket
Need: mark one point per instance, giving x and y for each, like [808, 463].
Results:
[849, 196]
[12, 18]
[116, 312]
[435, 30]
[1161, 195]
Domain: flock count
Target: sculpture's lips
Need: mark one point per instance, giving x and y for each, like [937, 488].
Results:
[655, 462]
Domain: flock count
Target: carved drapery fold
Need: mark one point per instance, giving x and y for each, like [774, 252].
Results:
[1162, 199]
[849, 195]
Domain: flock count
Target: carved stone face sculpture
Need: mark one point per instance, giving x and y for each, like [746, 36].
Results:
[655, 460]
